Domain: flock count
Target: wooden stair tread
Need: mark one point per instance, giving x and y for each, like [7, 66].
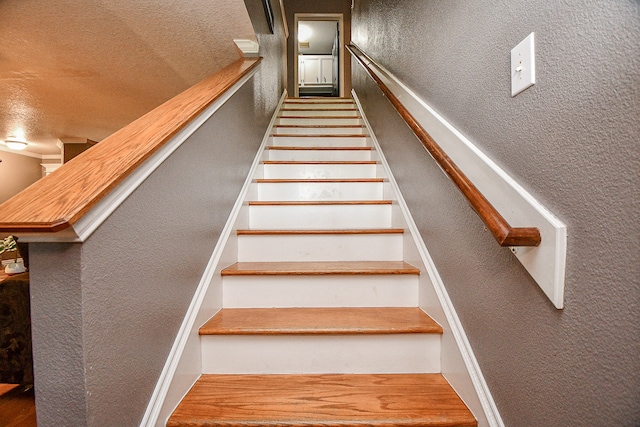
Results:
[319, 268]
[263, 232]
[318, 109]
[320, 202]
[322, 147]
[322, 400]
[319, 126]
[319, 117]
[320, 321]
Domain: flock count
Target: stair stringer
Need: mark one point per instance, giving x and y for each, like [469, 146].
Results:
[184, 365]
[458, 362]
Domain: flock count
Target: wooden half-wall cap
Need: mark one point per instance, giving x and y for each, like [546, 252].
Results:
[502, 231]
[59, 200]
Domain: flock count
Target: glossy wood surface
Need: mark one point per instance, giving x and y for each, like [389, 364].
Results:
[318, 126]
[62, 198]
[319, 117]
[17, 406]
[305, 321]
[503, 232]
[382, 400]
[319, 268]
[317, 109]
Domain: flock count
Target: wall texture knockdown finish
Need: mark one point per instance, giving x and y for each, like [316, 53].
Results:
[572, 141]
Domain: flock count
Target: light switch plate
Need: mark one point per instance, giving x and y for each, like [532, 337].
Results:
[523, 65]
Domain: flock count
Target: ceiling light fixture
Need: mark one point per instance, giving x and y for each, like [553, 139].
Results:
[15, 144]
[304, 33]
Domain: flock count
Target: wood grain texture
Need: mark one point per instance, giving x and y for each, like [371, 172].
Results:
[502, 231]
[320, 100]
[317, 109]
[319, 268]
[62, 198]
[17, 406]
[381, 400]
[320, 321]
[318, 126]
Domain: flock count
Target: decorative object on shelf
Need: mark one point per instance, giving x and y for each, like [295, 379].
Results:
[9, 244]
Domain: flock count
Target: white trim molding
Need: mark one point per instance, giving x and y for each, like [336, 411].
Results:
[545, 263]
[248, 47]
[179, 372]
[461, 368]
[85, 226]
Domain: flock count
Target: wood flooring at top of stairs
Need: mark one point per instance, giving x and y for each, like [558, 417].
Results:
[337, 400]
[319, 268]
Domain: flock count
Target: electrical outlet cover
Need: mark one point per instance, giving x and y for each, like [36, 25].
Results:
[523, 65]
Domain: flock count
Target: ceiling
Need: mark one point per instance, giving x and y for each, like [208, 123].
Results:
[321, 38]
[84, 69]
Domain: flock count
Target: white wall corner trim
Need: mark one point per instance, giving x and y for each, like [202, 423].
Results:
[160, 407]
[485, 399]
[248, 47]
[82, 230]
[545, 263]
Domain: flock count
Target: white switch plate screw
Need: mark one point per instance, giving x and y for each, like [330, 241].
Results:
[523, 65]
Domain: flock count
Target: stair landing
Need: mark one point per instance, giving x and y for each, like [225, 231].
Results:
[322, 400]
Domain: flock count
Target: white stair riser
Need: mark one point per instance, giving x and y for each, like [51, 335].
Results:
[320, 217]
[320, 247]
[392, 290]
[304, 111]
[291, 354]
[278, 130]
[320, 155]
[318, 121]
[290, 191]
[318, 106]
[332, 141]
[299, 171]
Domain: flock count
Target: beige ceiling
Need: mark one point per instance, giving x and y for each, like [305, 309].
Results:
[85, 68]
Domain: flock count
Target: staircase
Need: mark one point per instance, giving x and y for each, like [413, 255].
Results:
[320, 322]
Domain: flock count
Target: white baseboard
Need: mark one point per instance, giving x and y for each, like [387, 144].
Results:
[546, 262]
[179, 372]
[462, 369]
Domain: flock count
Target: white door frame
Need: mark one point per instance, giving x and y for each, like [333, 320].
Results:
[318, 17]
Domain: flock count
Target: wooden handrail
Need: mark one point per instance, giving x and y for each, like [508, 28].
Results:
[59, 200]
[505, 234]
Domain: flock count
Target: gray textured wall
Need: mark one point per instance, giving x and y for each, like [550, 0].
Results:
[573, 141]
[104, 323]
[313, 6]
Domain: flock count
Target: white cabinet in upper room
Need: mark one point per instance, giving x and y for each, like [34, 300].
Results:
[315, 69]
